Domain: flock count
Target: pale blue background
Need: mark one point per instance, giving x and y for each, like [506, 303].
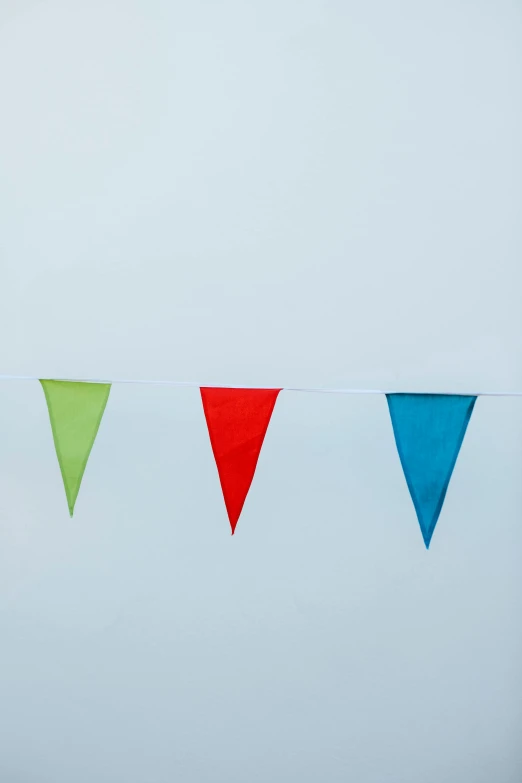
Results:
[274, 192]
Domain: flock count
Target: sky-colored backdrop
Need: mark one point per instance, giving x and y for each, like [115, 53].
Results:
[279, 192]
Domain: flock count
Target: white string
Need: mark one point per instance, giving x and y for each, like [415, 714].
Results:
[310, 389]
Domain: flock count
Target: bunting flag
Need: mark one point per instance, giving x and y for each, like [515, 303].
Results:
[429, 430]
[237, 421]
[75, 411]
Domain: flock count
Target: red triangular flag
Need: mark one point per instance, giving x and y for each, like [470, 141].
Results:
[237, 420]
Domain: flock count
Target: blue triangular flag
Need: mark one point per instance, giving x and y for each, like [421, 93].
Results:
[429, 430]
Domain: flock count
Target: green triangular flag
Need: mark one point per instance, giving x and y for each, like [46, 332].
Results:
[75, 410]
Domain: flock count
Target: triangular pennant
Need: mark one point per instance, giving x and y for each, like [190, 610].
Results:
[75, 410]
[237, 420]
[429, 430]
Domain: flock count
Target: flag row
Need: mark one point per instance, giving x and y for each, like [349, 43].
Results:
[428, 429]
